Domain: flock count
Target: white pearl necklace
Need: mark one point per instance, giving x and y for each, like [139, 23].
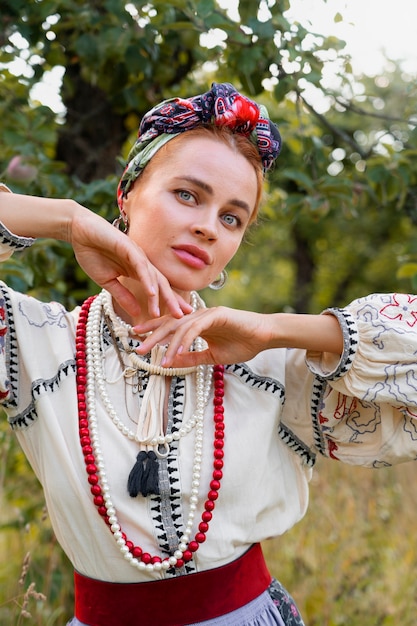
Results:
[95, 380]
[122, 330]
[203, 381]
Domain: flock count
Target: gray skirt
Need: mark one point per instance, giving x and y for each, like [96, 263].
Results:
[274, 607]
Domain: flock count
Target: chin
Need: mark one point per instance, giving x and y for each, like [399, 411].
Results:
[182, 287]
[181, 281]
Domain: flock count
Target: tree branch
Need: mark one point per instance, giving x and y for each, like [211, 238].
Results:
[338, 132]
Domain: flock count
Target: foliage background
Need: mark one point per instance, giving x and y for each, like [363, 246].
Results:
[339, 221]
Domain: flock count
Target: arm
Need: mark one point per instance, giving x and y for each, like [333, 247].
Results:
[103, 252]
[31, 216]
[363, 406]
[234, 335]
[365, 412]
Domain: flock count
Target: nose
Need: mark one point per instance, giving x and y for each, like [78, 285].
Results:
[205, 226]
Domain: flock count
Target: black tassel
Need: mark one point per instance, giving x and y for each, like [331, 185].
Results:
[150, 477]
[134, 482]
[143, 477]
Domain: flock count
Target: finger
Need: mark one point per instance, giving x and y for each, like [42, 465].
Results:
[191, 359]
[173, 302]
[145, 273]
[159, 330]
[167, 323]
[124, 297]
[186, 332]
[153, 305]
[167, 330]
[185, 306]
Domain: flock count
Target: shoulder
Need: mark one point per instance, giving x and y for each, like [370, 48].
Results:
[26, 313]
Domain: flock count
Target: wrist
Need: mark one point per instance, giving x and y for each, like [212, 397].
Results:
[279, 330]
[319, 333]
[70, 213]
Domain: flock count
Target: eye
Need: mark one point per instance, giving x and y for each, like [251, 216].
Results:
[232, 220]
[185, 196]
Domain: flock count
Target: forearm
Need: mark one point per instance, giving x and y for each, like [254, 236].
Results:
[315, 333]
[233, 335]
[33, 216]
[108, 256]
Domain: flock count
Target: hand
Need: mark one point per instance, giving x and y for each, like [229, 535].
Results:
[232, 336]
[106, 254]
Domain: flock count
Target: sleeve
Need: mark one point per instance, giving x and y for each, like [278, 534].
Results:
[365, 406]
[8, 241]
[8, 244]
[4, 378]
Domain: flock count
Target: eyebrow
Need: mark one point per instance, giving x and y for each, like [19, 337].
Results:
[209, 189]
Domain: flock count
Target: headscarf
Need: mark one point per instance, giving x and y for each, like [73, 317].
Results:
[223, 105]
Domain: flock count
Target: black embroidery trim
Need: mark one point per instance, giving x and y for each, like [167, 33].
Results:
[350, 343]
[299, 447]
[271, 385]
[27, 417]
[11, 350]
[40, 387]
[317, 394]
[166, 507]
[13, 241]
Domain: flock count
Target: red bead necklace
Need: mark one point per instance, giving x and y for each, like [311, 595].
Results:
[90, 462]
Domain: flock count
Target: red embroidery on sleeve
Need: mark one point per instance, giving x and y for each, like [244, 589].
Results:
[332, 447]
[404, 309]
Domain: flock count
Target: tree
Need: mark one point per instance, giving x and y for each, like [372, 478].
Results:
[342, 200]
[341, 206]
[118, 60]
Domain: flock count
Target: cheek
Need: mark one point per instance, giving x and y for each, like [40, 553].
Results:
[229, 250]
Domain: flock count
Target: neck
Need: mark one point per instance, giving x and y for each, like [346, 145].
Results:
[135, 289]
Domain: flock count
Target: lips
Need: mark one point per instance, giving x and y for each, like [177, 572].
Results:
[193, 256]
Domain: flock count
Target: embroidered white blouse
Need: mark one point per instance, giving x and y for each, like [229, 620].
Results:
[280, 411]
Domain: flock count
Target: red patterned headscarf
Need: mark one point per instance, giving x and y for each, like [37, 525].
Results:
[221, 106]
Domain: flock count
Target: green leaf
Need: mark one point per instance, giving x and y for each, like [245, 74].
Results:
[86, 47]
[15, 271]
[408, 270]
[264, 30]
[205, 8]
[180, 25]
[301, 178]
[282, 88]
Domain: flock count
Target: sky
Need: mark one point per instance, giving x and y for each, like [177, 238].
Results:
[370, 28]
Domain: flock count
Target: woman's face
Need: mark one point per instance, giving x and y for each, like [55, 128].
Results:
[190, 210]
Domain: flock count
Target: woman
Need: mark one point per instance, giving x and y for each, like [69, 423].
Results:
[162, 473]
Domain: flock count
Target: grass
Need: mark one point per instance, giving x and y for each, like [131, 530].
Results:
[351, 561]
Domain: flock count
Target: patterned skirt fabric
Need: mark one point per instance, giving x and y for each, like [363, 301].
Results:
[275, 607]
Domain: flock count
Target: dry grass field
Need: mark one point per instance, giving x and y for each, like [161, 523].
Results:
[352, 560]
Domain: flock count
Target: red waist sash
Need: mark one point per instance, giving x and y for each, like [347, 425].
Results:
[174, 601]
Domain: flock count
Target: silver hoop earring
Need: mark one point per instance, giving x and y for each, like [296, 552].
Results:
[121, 223]
[219, 282]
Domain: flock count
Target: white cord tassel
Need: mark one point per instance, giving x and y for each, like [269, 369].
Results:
[151, 416]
